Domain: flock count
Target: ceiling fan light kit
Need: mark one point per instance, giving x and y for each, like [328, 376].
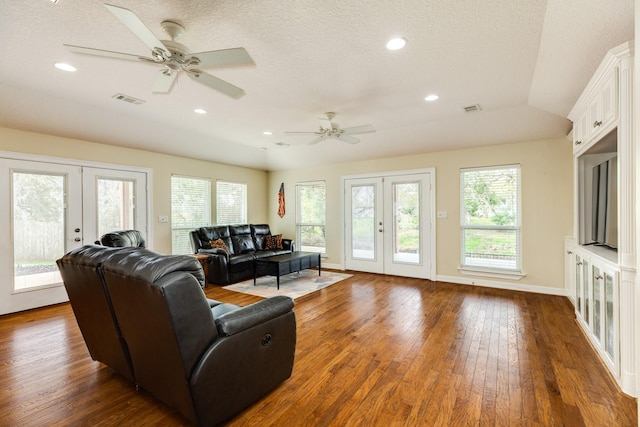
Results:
[174, 56]
[330, 130]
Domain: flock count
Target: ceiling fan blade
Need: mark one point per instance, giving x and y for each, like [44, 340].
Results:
[302, 133]
[107, 53]
[138, 28]
[215, 83]
[224, 58]
[315, 141]
[164, 81]
[325, 124]
[349, 139]
[358, 129]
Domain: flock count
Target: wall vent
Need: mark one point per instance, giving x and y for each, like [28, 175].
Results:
[127, 98]
[472, 108]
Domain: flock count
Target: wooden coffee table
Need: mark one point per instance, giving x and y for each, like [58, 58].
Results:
[279, 265]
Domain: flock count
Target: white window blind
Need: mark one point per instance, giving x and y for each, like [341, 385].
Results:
[311, 216]
[190, 209]
[231, 206]
[490, 218]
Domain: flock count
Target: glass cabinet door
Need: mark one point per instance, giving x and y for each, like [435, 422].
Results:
[597, 306]
[579, 284]
[610, 321]
[585, 291]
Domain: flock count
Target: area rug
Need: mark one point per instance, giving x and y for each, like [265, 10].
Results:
[292, 285]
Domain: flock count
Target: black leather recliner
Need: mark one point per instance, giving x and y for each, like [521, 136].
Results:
[207, 362]
[245, 244]
[123, 239]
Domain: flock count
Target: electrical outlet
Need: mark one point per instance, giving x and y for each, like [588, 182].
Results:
[163, 218]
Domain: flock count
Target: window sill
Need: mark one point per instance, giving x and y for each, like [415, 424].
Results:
[498, 274]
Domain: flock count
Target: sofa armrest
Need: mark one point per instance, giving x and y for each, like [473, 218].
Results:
[289, 244]
[214, 251]
[252, 315]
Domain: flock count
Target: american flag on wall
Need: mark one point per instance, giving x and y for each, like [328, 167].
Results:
[281, 201]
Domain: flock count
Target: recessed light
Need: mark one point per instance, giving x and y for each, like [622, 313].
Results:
[431, 97]
[396, 43]
[267, 132]
[282, 144]
[200, 111]
[64, 67]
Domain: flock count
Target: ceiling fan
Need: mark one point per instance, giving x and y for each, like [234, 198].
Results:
[330, 130]
[174, 56]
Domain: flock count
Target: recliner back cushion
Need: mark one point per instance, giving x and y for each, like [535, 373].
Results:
[243, 244]
[123, 239]
[259, 232]
[209, 234]
[241, 239]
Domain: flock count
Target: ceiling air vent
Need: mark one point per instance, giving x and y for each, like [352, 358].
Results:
[127, 98]
[472, 108]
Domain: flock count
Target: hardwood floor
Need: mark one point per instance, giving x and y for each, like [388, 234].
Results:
[372, 350]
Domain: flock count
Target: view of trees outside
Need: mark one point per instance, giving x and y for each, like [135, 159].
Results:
[406, 212]
[190, 209]
[311, 217]
[116, 205]
[38, 221]
[231, 203]
[490, 219]
[363, 221]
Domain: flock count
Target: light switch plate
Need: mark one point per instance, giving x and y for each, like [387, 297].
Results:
[163, 218]
[442, 214]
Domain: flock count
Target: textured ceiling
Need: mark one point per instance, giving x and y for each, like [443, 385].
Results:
[524, 62]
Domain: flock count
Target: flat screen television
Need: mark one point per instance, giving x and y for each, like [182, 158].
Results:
[604, 198]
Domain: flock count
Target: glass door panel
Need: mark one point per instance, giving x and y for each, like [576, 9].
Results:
[113, 200]
[41, 214]
[363, 222]
[406, 222]
[39, 228]
[116, 208]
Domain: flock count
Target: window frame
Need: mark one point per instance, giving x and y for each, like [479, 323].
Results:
[493, 271]
[242, 219]
[300, 224]
[188, 228]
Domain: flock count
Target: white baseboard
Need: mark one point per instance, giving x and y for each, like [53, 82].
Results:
[504, 285]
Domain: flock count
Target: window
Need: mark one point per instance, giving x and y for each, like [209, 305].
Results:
[490, 218]
[231, 207]
[190, 209]
[311, 216]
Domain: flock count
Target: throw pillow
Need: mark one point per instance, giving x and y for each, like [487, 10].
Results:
[219, 244]
[273, 242]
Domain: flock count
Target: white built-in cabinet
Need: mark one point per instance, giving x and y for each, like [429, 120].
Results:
[600, 281]
[595, 291]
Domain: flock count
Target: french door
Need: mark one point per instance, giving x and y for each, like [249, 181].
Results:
[388, 224]
[49, 209]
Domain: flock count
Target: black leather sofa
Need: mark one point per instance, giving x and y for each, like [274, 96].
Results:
[146, 316]
[245, 243]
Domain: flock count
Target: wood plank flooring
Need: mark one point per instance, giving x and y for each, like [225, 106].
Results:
[372, 350]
